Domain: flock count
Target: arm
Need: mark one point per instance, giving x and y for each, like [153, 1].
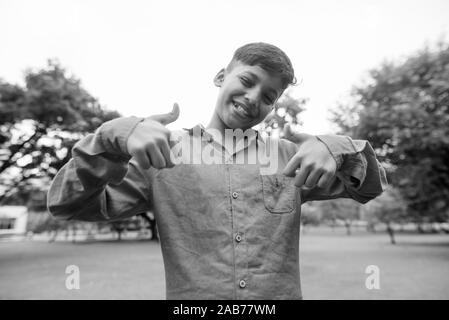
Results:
[359, 175]
[100, 182]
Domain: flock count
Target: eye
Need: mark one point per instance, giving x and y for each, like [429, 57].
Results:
[268, 99]
[246, 82]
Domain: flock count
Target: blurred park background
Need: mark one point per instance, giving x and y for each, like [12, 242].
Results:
[399, 103]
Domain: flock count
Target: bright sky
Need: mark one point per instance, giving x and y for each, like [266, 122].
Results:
[138, 57]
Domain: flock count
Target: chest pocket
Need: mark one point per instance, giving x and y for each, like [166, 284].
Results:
[278, 193]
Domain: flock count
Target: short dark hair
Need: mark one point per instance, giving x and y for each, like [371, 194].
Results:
[268, 57]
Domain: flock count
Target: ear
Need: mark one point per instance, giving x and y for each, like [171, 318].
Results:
[219, 78]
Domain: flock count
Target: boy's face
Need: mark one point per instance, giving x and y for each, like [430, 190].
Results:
[247, 94]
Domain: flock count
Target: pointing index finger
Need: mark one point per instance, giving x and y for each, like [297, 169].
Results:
[291, 166]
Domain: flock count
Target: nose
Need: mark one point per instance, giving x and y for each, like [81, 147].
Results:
[252, 97]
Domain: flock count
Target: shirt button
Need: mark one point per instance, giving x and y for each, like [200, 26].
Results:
[235, 195]
[238, 238]
[242, 284]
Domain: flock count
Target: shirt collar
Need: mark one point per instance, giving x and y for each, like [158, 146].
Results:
[206, 136]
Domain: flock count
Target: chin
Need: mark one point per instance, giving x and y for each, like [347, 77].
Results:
[232, 124]
[243, 126]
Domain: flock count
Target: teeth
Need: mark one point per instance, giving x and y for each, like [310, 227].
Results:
[240, 109]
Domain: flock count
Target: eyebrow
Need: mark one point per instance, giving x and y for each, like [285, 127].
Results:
[257, 78]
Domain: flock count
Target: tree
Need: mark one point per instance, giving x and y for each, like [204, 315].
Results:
[286, 110]
[403, 110]
[388, 208]
[39, 124]
[150, 219]
[346, 210]
[310, 215]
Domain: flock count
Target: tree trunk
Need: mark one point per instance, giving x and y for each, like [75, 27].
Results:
[348, 227]
[390, 231]
[74, 232]
[153, 226]
[420, 228]
[54, 234]
[154, 235]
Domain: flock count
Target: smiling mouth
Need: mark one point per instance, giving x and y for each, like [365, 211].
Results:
[242, 110]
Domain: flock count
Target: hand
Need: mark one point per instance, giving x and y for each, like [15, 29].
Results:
[316, 165]
[149, 143]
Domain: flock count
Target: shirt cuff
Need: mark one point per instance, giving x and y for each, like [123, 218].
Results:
[338, 146]
[114, 134]
[348, 153]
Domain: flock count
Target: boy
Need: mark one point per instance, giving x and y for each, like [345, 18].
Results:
[229, 227]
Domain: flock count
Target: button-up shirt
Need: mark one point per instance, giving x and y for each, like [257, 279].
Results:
[227, 229]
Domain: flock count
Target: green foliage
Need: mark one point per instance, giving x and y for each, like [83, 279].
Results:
[39, 124]
[403, 110]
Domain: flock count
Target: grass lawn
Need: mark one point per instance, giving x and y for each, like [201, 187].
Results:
[332, 267]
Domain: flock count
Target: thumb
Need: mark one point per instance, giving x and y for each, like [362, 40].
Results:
[294, 136]
[167, 118]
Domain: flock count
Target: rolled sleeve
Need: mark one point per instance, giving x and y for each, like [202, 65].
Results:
[348, 153]
[114, 134]
[359, 175]
[100, 182]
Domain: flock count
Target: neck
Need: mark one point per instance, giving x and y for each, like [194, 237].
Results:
[217, 124]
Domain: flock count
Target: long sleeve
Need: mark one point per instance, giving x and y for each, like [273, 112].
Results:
[359, 176]
[101, 181]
